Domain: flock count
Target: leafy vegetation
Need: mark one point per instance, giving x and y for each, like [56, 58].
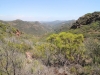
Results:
[62, 49]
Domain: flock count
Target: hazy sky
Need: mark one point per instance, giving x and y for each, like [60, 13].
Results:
[46, 10]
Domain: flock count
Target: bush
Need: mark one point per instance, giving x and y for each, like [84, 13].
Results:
[63, 47]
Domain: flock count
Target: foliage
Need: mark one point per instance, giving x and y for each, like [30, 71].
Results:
[91, 30]
[63, 46]
[93, 50]
[12, 50]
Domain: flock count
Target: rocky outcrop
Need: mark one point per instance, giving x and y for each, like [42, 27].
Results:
[86, 19]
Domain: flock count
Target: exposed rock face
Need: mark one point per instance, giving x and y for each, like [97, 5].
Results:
[86, 19]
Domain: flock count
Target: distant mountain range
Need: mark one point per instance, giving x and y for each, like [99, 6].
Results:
[59, 26]
[40, 28]
[35, 28]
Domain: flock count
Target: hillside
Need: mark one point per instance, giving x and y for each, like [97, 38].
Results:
[14, 47]
[88, 25]
[59, 26]
[40, 28]
[86, 20]
[11, 35]
[35, 28]
[63, 26]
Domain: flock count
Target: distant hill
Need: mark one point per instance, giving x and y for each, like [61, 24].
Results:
[63, 26]
[35, 28]
[86, 20]
[40, 28]
[52, 23]
[58, 26]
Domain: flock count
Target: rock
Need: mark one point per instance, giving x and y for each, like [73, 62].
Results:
[86, 19]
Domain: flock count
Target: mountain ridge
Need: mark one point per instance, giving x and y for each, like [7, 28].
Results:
[35, 28]
[86, 19]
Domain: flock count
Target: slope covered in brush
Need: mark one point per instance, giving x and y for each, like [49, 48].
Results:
[86, 20]
[35, 28]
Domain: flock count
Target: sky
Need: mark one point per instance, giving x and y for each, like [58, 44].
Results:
[46, 10]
